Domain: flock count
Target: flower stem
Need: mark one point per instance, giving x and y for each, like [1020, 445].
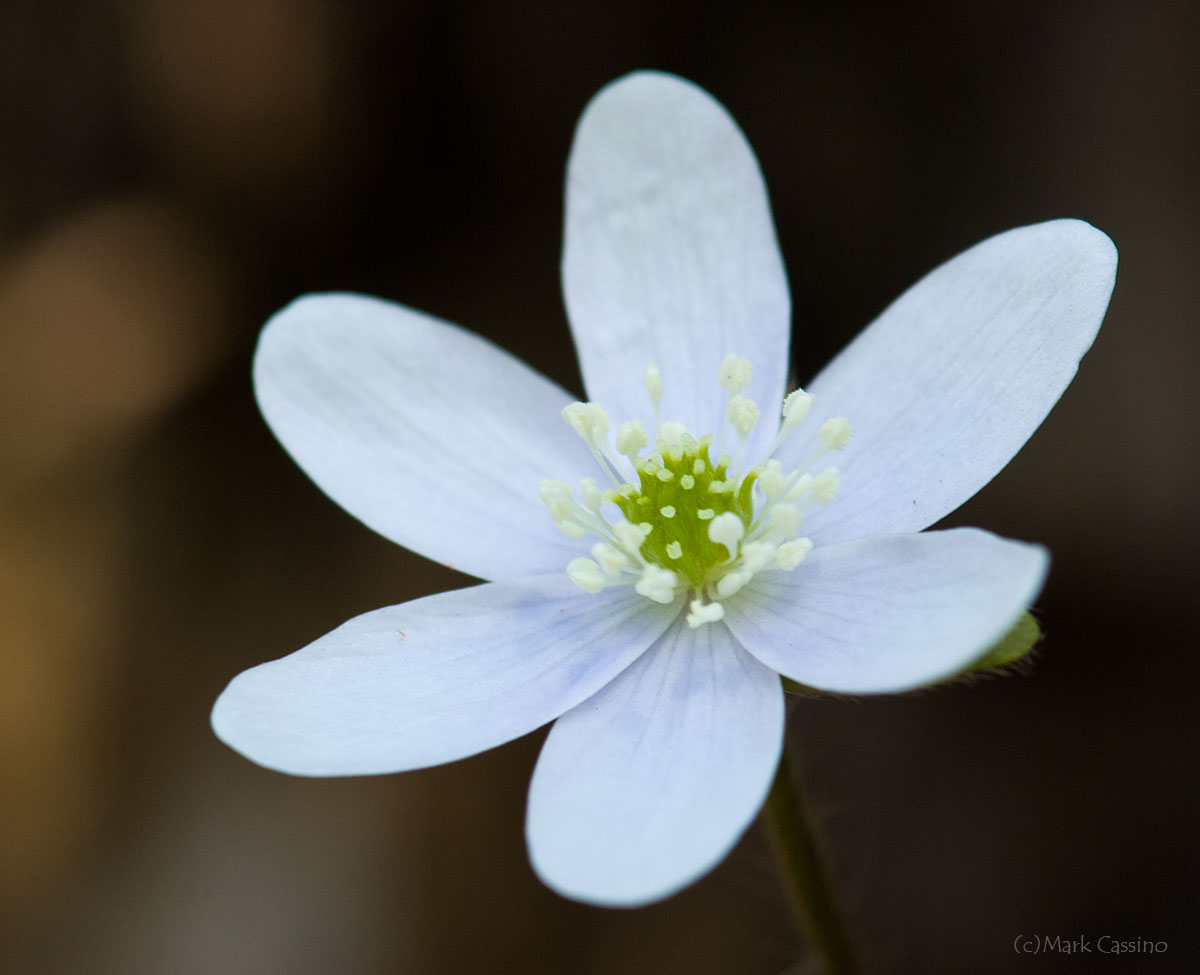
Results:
[796, 848]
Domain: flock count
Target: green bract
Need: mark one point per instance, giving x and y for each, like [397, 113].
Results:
[1016, 644]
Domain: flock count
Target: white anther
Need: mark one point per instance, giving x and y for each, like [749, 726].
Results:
[792, 553]
[667, 511]
[727, 529]
[800, 488]
[702, 613]
[612, 560]
[705, 513]
[556, 496]
[771, 480]
[586, 575]
[687, 482]
[732, 582]
[674, 550]
[657, 584]
[825, 485]
[653, 380]
[671, 438]
[757, 555]
[572, 528]
[654, 386]
[629, 535]
[589, 420]
[795, 408]
[743, 414]
[834, 433]
[592, 495]
[785, 520]
[631, 438]
[735, 374]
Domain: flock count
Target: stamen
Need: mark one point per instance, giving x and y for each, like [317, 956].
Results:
[792, 553]
[631, 438]
[735, 374]
[795, 408]
[629, 535]
[742, 414]
[757, 555]
[796, 405]
[654, 386]
[592, 495]
[590, 421]
[785, 520]
[586, 575]
[657, 583]
[701, 613]
[611, 559]
[732, 582]
[727, 529]
[672, 440]
[664, 543]
[825, 485]
[771, 479]
[799, 487]
[834, 433]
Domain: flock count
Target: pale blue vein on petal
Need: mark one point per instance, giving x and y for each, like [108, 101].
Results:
[670, 255]
[888, 613]
[427, 433]
[954, 377]
[646, 786]
[436, 679]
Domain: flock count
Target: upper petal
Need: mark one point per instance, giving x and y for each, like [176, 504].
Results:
[888, 613]
[670, 253]
[436, 679]
[951, 380]
[427, 433]
[645, 787]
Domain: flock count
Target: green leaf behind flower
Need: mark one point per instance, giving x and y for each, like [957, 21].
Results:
[1013, 647]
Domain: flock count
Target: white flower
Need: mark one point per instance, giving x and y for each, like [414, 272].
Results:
[662, 672]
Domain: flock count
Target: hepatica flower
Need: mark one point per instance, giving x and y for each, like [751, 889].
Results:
[657, 556]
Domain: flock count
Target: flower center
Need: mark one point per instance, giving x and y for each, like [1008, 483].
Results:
[691, 523]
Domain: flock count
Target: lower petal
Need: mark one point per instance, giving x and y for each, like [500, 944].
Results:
[890, 612]
[436, 679]
[645, 787]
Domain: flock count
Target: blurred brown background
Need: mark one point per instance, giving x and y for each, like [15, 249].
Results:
[173, 172]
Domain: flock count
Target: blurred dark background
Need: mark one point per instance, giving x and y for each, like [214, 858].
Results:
[172, 172]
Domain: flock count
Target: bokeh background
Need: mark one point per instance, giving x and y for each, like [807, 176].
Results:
[172, 171]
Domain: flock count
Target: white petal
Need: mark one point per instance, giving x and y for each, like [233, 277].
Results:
[952, 379]
[670, 254]
[888, 613]
[427, 433]
[645, 787]
[435, 679]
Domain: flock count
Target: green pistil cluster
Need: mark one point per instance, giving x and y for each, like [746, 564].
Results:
[681, 492]
[688, 523]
